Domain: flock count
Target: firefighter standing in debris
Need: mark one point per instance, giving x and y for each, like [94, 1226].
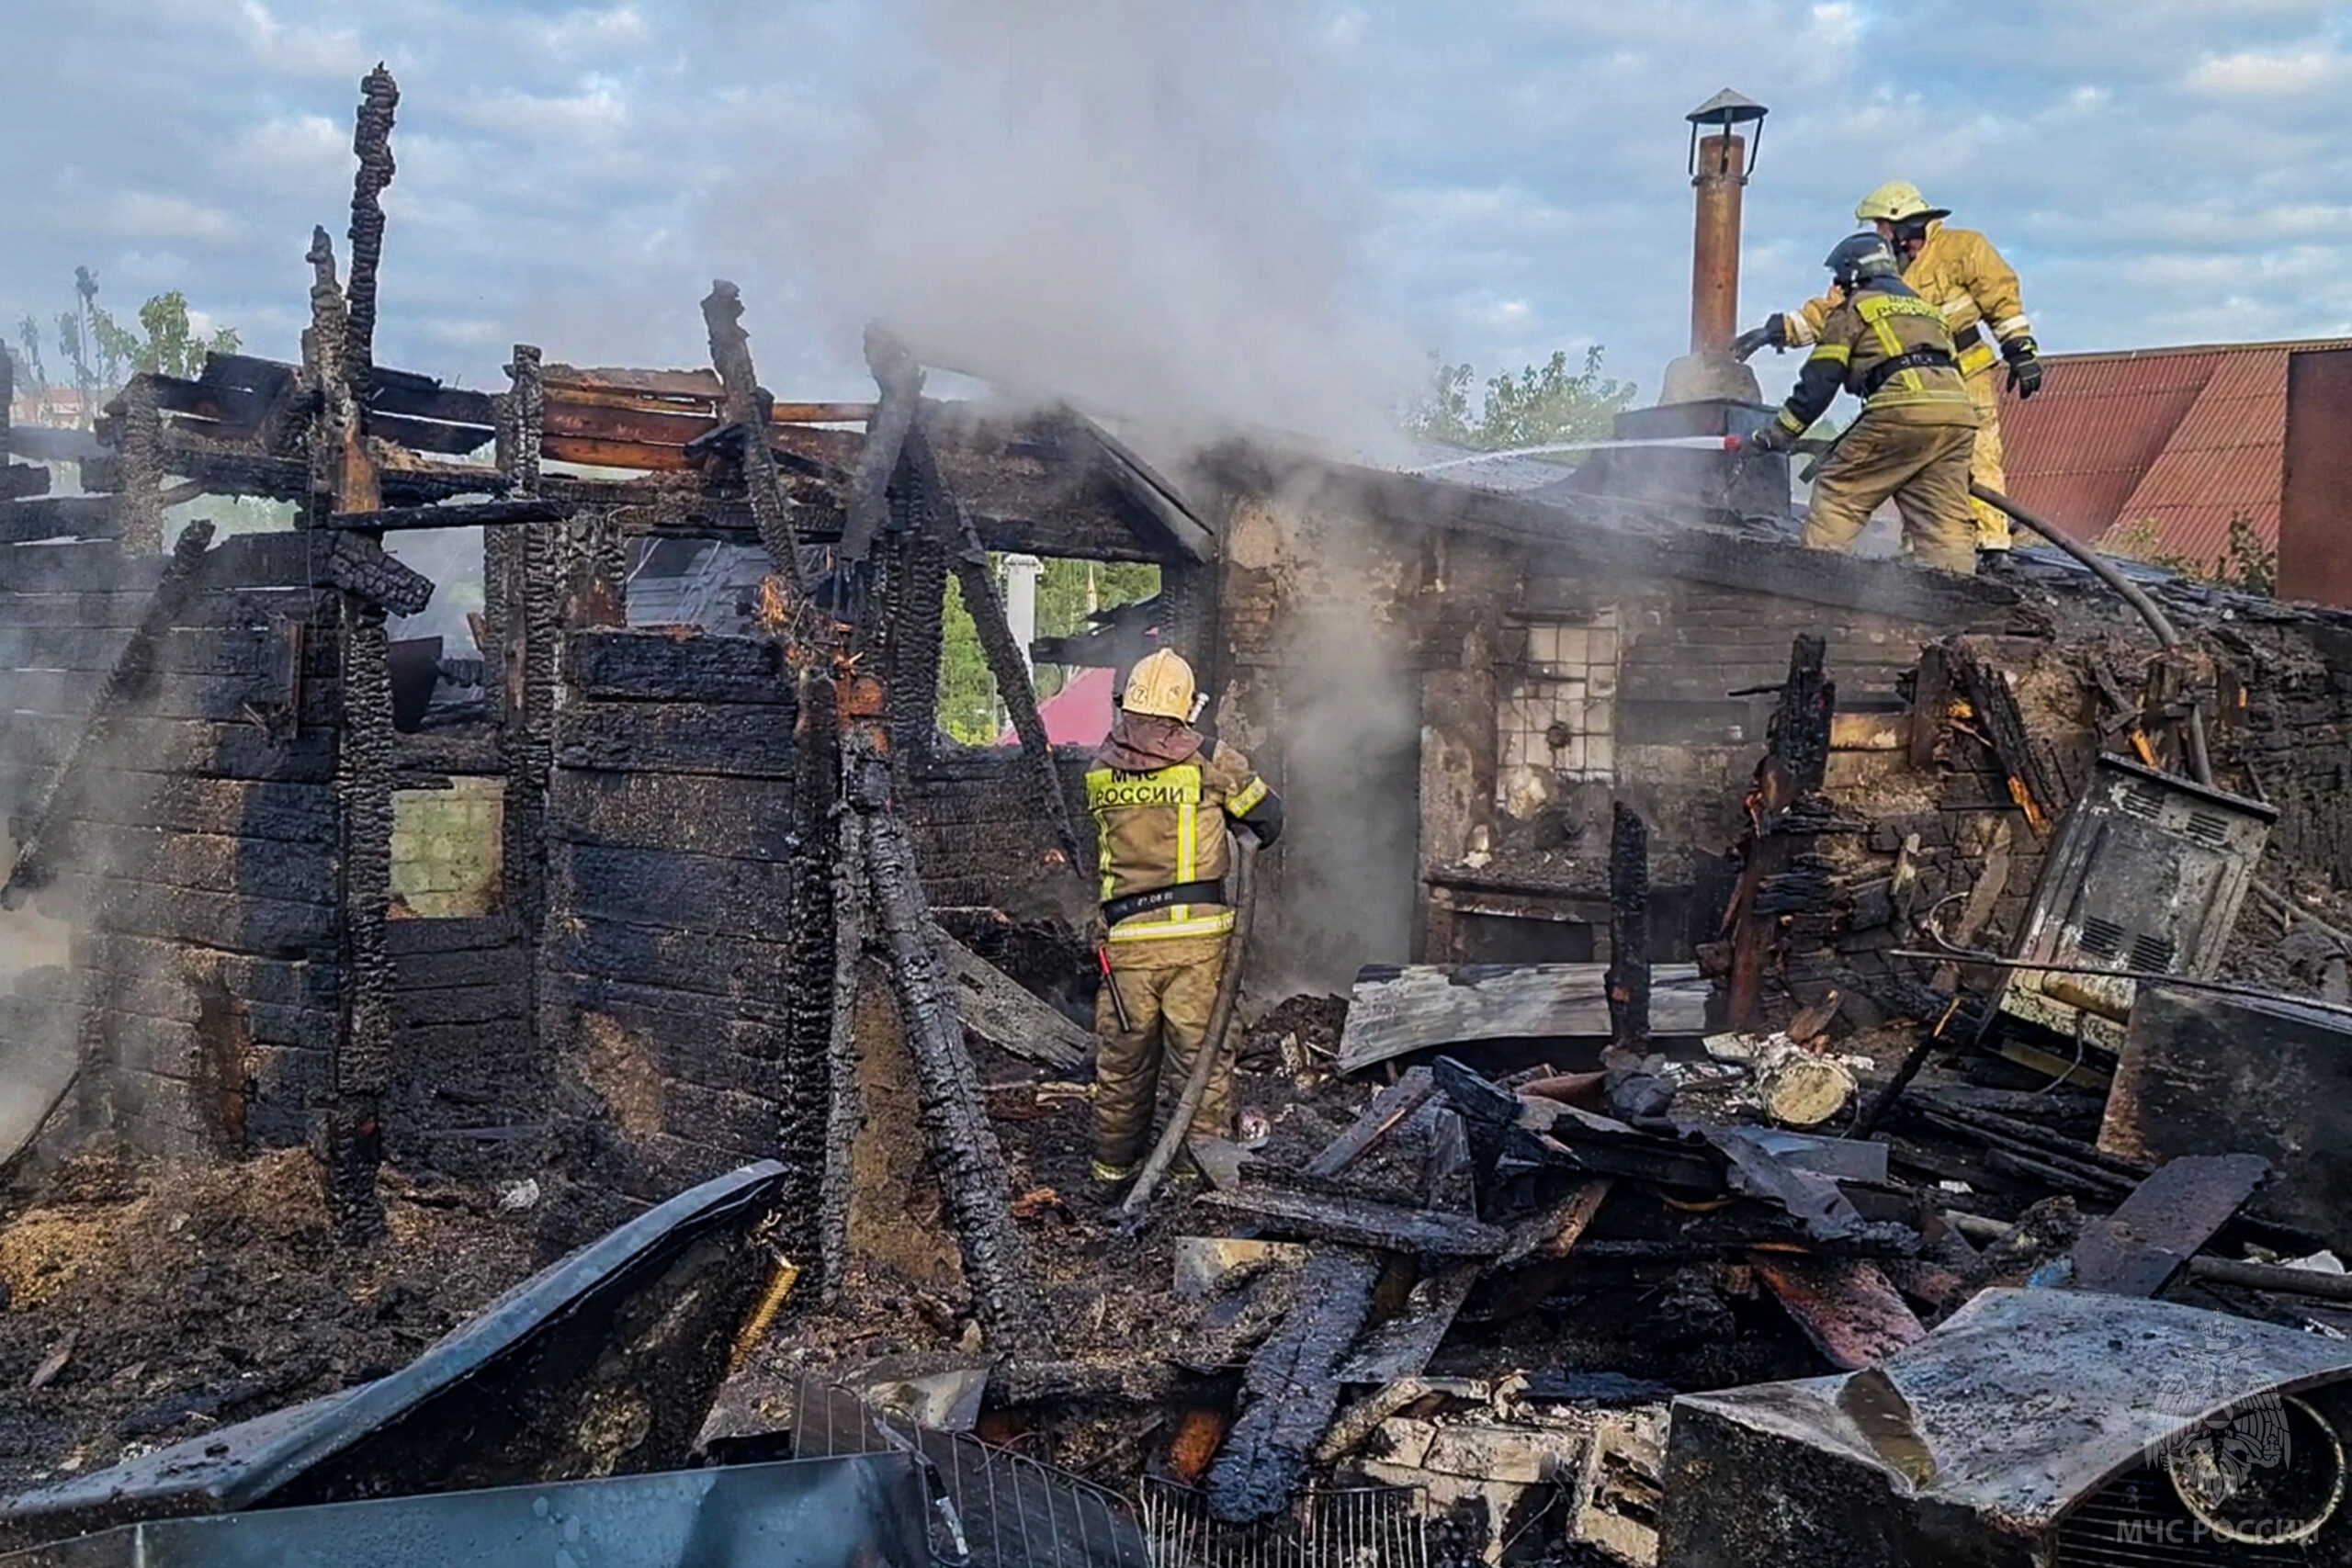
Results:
[1914, 437]
[1960, 273]
[1162, 794]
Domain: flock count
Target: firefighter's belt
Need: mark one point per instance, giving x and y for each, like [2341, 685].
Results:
[1117, 909]
[1887, 370]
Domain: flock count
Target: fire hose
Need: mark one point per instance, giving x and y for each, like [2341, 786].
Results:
[1229, 992]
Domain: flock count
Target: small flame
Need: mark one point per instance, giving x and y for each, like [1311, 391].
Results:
[775, 605]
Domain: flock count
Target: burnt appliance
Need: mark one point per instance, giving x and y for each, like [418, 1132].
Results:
[2146, 874]
[2033, 1429]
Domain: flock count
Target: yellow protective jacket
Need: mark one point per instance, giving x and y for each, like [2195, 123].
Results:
[1890, 348]
[1162, 832]
[1960, 273]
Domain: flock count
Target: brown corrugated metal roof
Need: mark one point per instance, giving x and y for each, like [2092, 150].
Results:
[2184, 439]
[2226, 459]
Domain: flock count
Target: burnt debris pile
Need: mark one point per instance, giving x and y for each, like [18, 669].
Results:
[1792, 1054]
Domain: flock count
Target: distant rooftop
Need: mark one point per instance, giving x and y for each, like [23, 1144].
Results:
[2183, 439]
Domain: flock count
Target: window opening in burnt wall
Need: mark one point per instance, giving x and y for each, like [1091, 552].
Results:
[1558, 718]
[446, 850]
[1073, 607]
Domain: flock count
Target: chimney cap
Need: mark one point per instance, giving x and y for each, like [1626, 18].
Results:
[1727, 109]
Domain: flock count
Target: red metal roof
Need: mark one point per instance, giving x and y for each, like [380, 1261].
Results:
[2184, 439]
[1078, 715]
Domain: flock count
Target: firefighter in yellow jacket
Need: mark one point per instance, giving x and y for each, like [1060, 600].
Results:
[1913, 438]
[1161, 794]
[1960, 273]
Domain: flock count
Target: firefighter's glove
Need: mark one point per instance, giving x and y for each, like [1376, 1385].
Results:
[1773, 437]
[2025, 366]
[1771, 334]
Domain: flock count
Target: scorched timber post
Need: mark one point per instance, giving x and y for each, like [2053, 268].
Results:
[901, 417]
[1795, 764]
[1629, 929]
[810, 1085]
[342, 481]
[845, 726]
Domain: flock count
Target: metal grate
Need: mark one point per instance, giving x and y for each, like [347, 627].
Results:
[1355, 1526]
[2208, 829]
[2101, 939]
[2153, 954]
[2142, 800]
[1010, 1511]
[2135, 1522]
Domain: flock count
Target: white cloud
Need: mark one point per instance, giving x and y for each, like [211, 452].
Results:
[1493, 182]
[153, 215]
[2270, 74]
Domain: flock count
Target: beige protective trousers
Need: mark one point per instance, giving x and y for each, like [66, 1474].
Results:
[1923, 467]
[1170, 988]
[1985, 459]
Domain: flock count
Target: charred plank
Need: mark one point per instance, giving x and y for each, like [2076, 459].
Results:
[453, 515]
[1361, 1222]
[1292, 1389]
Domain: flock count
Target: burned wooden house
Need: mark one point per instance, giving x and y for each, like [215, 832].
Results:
[569, 889]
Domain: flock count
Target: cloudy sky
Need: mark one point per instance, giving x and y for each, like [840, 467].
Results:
[1274, 209]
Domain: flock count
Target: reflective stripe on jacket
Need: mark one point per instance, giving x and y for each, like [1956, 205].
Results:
[1889, 347]
[1960, 273]
[1166, 827]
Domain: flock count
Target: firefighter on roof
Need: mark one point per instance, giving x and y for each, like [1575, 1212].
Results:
[1161, 794]
[1913, 438]
[1960, 273]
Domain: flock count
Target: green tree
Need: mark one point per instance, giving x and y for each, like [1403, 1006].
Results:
[101, 352]
[1068, 592]
[31, 376]
[1542, 405]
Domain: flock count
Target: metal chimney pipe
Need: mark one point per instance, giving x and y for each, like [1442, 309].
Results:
[1715, 243]
[1719, 174]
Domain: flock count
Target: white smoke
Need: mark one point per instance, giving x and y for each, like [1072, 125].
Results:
[1150, 208]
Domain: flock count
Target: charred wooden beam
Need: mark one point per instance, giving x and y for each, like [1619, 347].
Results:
[529, 642]
[1171, 522]
[1008, 661]
[350, 560]
[371, 139]
[1292, 1389]
[917, 570]
[1361, 1222]
[963, 1143]
[1845, 1306]
[360, 1071]
[844, 1111]
[132, 675]
[1629, 929]
[1383, 1114]
[813, 1013]
[472, 514]
[1796, 761]
[730, 354]
[2033, 782]
[901, 378]
[142, 473]
[997, 1009]
[64, 516]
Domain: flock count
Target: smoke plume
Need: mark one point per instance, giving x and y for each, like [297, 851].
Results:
[1148, 208]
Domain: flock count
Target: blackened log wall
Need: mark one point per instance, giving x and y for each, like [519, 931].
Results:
[664, 965]
[199, 860]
